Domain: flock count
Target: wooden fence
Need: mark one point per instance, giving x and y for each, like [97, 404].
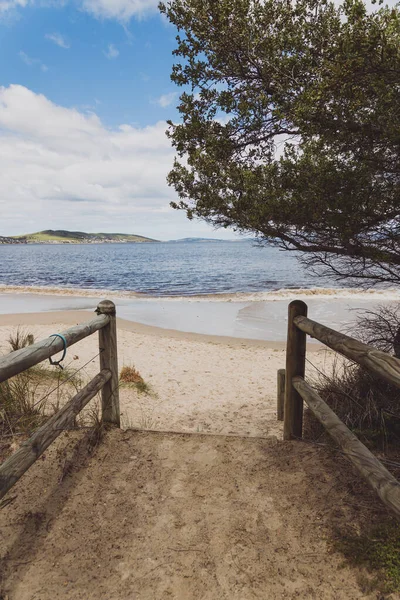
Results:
[293, 390]
[106, 381]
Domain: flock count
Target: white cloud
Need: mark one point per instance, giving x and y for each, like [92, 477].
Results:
[166, 99]
[61, 164]
[122, 10]
[58, 39]
[111, 52]
[8, 5]
[32, 62]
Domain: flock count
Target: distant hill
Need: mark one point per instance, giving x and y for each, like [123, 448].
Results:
[60, 236]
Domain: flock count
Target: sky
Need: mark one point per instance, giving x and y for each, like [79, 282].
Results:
[85, 93]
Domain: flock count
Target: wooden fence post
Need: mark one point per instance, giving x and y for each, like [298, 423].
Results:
[295, 367]
[280, 394]
[109, 360]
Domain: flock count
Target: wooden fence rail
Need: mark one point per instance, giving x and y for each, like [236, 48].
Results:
[21, 360]
[297, 390]
[379, 478]
[106, 381]
[380, 363]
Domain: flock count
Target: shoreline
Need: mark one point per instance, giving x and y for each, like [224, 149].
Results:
[272, 295]
[246, 319]
[74, 317]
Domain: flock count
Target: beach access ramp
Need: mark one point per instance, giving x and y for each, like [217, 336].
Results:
[185, 516]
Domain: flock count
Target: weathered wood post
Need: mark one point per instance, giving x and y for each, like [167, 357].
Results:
[109, 360]
[280, 394]
[295, 367]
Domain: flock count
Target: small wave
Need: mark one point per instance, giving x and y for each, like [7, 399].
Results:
[266, 296]
[295, 293]
[61, 291]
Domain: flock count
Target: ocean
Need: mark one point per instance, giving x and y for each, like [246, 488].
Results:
[237, 289]
[160, 269]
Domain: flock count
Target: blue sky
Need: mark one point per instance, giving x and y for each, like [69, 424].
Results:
[118, 69]
[85, 93]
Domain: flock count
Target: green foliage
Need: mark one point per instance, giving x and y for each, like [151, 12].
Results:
[378, 550]
[290, 126]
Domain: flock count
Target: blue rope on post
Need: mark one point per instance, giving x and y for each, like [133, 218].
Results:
[56, 363]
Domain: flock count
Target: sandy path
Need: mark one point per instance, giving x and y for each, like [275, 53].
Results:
[186, 517]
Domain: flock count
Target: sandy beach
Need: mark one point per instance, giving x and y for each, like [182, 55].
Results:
[198, 383]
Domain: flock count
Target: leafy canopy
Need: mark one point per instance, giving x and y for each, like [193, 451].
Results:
[290, 126]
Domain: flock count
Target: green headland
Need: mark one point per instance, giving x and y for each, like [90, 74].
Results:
[60, 236]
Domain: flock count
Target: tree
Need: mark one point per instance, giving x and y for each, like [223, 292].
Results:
[290, 127]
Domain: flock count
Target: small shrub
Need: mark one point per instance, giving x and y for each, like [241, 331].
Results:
[130, 375]
[367, 404]
[379, 328]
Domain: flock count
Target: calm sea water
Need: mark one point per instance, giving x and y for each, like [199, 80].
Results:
[163, 269]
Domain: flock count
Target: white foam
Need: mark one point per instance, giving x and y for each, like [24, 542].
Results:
[265, 296]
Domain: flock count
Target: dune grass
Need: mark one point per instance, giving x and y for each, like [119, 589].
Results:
[29, 398]
[370, 407]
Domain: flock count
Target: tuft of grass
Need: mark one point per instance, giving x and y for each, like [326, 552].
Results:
[20, 339]
[52, 373]
[143, 387]
[131, 376]
[92, 419]
[378, 550]
[18, 413]
[29, 398]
